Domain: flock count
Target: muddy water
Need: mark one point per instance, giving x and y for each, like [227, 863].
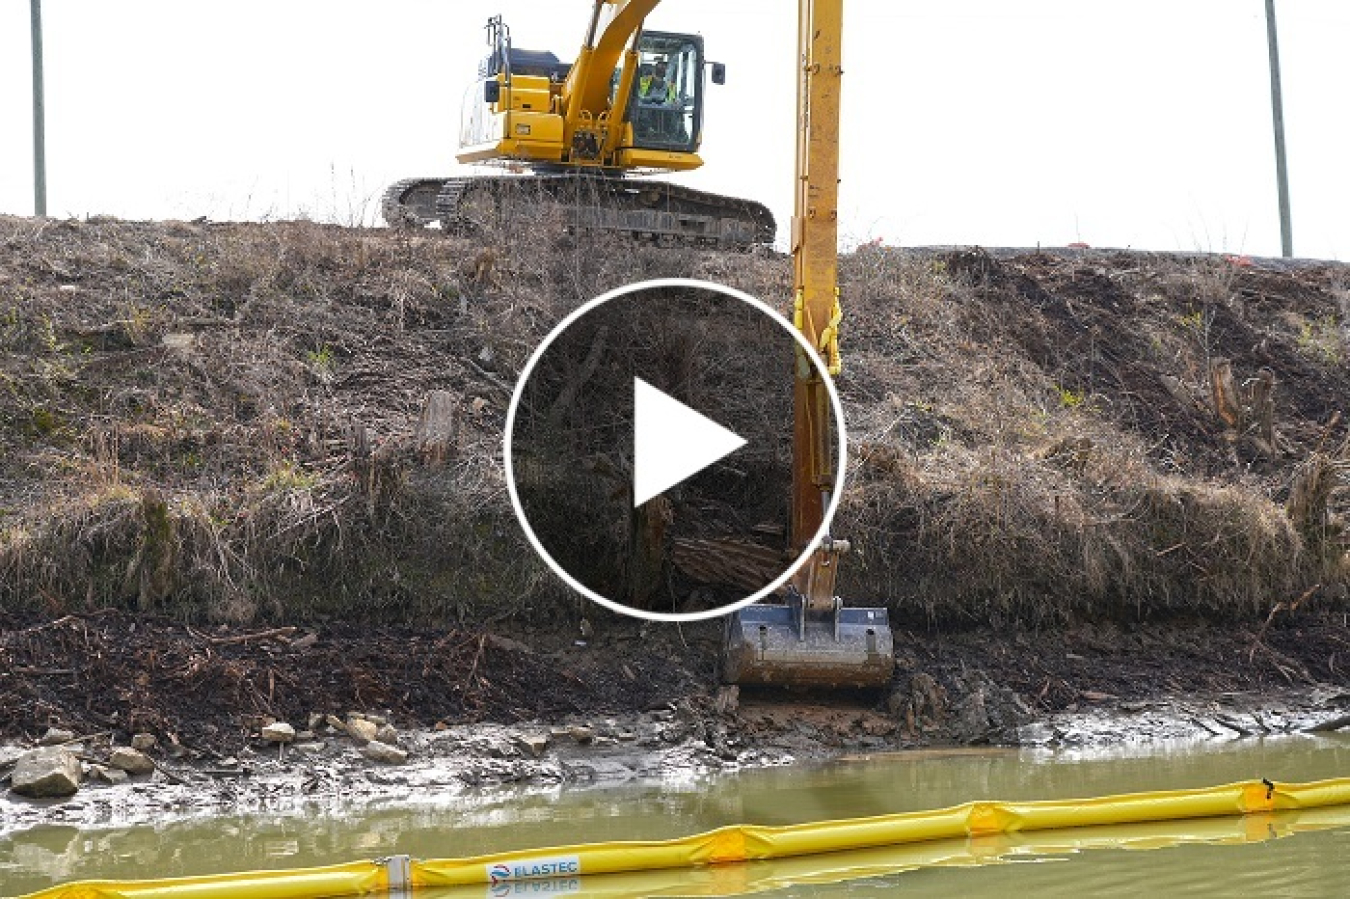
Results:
[1219, 857]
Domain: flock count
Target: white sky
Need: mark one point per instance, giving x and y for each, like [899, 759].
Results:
[1143, 124]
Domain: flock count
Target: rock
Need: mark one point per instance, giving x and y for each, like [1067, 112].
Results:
[132, 761]
[535, 744]
[310, 747]
[181, 342]
[387, 733]
[988, 712]
[279, 732]
[55, 736]
[361, 730]
[104, 774]
[143, 742]
[728, 699]
[930, 699]
[383, 752]
[971, 722]
[509, 645]
[1038, 733]
[581, 733]
[44, 773]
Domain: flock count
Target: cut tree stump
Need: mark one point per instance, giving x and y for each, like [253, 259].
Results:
[1223, 392]
[1249, 412]
[1261, 410]
[436, 428]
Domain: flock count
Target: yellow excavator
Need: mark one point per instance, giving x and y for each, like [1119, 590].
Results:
[630, 104]
[632, 101]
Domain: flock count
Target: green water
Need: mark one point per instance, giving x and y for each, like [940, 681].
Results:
[290, 833]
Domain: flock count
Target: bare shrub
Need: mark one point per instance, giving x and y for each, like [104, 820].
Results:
[1031, 435]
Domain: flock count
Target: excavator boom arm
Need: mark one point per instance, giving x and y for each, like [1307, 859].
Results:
[613, 24]
[815, 238]
[812, 639]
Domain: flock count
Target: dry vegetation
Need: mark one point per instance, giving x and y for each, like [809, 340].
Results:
[221, 422]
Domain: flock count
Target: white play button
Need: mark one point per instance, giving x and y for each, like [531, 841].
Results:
[649, 445]
[672, 442]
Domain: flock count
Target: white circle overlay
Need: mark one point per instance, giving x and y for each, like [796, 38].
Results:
[684, 283]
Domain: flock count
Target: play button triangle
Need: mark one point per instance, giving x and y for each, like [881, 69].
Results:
[672, 442]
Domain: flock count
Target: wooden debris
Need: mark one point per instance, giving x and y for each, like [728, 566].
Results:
[733, 563]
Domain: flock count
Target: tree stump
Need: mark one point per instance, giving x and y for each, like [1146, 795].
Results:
[1247, 413]
[1223, 392]
[436, 428]
[647, 550]
[1261, 410]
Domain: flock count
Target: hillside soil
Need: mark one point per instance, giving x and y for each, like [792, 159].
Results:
[251, 474]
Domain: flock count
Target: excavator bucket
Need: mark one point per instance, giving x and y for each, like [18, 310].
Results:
[786, 645]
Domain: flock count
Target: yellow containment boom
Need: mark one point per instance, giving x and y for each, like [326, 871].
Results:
[1076, 822]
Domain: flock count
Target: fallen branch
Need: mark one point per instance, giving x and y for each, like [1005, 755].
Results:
[1329, 725]
[97, 736]
[490, 377]
[257, 635]
[1279, 606]
[473, 669]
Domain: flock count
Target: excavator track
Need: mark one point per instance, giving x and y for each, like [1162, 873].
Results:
[655, 210]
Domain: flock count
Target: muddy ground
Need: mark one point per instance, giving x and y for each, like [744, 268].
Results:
[474, 708]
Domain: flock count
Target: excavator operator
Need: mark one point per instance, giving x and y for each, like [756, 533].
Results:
[654, 88]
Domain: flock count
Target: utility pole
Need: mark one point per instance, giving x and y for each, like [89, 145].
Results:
[39, 138]
[1277, 111]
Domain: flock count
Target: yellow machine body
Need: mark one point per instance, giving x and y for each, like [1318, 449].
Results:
[576, 136]
[601, 111]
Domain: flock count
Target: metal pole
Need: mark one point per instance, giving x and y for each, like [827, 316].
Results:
[39, 138]
[1277, 111]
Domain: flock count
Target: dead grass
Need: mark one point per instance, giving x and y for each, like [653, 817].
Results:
[215, 421]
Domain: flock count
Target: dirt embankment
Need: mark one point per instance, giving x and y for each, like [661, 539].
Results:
[1073, 475]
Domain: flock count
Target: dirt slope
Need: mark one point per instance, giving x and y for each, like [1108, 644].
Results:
[217, 424]
[217, 421]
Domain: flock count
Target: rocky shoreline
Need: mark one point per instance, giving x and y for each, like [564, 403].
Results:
[127, 787]
[958, 690]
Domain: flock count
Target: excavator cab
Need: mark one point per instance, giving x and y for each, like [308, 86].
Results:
[665, 106]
